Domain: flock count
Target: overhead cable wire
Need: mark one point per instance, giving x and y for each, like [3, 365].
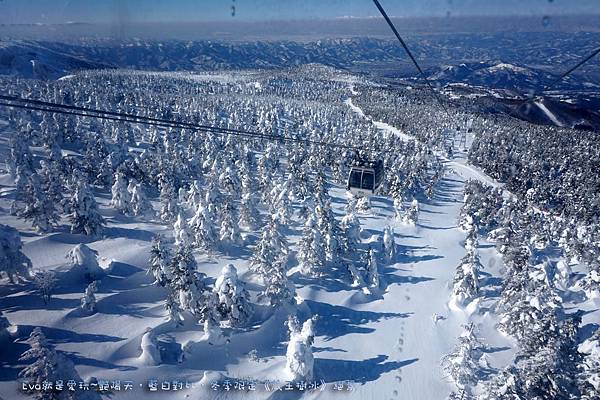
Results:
[43, 106]
[413, 59]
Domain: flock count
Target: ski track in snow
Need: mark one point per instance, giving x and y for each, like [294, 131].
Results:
[549, 113]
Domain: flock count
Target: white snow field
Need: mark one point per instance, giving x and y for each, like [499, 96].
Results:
[383, 342]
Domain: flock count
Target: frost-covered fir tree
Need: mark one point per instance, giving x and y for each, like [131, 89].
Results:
[45, 282]
[329, 228]
[168, 201]
[13, 263]
[389, 244]
[229, 234]
[299, 358]
[278, 289]
[188, 283]
[210, 317]
[249, 215]
[46, 364]
[37, 206]
[160, 260]
[372, 269]
[271, 245]
[412, 215]
[466, 278]
[311, 253]
[84, 260]
[121, 198]
[589, 367]
[202, 226]
[174, 311]
[88, 301]
[234, 299]
[466, 364]
[181, 231]
[140, 205]
[84, 214]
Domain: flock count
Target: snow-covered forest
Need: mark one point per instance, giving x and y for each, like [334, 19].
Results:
[244, 267]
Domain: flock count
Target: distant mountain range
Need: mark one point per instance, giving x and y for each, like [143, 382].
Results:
[517, 69]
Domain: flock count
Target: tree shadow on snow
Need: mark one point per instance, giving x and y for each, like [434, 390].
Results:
[336, 321]
[363, 371]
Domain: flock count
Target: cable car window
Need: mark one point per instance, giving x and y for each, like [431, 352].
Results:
[355, 177]
[367, 180]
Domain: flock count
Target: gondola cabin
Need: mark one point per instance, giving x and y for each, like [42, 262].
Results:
[365, 177]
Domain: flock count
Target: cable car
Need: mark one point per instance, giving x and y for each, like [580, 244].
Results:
[365, 177]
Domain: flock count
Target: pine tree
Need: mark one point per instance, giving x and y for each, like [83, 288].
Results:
[38, 207]
[299, 358]
[311, 252]
[160, 260]
[45, 282]
[181, 232]
[88, 301]
[270, 246]
[234, 300]
[13, 263]
[589, 367]
[229, 233]
[466, 364]
[188, 283]
[203, 228]
[140, 205]
[168, 201]
[412, 216]
[389, 244]
[121, 198]
[278, 289]
[372, 269]
[249, 215]
[84, 214]
[174, 311]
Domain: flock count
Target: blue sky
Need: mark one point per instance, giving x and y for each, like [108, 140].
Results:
[59, 11]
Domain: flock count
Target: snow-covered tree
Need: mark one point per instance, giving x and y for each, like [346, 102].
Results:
[85, 261]
[249, 215]
[299, 358]
[160, 260]
[372, 269]
[173, 308]
[121, 198]
[13, 263]
[188, 283]
[466, 278]
[311, 252]
[88, 301]
[48, 365]
[168, 200]
[278, 289]
[466, 364]
[589, 368]
[45, 282]
[84, 214]
[350, 226]
[229, 233]
[271, 245]
[150, 351]
[412, 215]
[181, 231]
[37, 206]
[140, 205]
[202, 226]
[389, 244]
[234, 299]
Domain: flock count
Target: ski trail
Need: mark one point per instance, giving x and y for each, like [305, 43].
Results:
[459, 165]
[548, 113]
